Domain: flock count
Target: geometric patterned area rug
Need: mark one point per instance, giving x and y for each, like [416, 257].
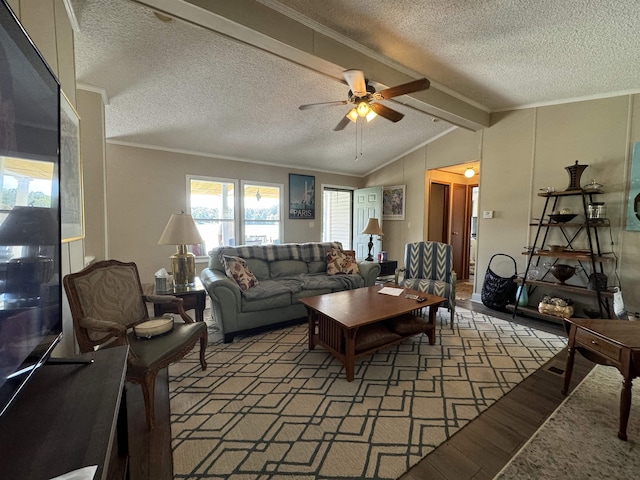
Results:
[580, 439]
[268, 408]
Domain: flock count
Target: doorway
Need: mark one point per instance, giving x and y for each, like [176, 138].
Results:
[452, 214]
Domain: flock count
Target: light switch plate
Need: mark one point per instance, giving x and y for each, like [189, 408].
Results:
[487, 214]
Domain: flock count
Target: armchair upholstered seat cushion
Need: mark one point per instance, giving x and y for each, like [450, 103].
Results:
[106, 302]
[428, 267]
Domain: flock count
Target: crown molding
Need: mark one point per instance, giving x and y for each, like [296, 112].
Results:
[90, 88]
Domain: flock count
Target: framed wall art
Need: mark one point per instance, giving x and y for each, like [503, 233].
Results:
[302, 196]
[393, 202]
[71, 195]
[633, 206]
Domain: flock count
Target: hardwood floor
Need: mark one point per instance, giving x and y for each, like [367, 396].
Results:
[483, 447]
[478, 451]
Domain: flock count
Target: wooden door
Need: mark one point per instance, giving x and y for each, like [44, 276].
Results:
[460, 230]
[367, 203]
[438, 230]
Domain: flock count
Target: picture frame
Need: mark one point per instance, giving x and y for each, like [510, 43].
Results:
[302, 197]
[71, 192]
[633, 204]
[393, 202]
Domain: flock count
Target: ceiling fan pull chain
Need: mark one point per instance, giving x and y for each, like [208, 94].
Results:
[361, 132]
[356, 158]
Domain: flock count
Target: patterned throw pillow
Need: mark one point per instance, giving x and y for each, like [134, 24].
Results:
[236, 268]
[350, 265]
[341, 261]
[335, 260]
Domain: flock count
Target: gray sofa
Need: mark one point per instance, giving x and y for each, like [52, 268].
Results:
[285, 273]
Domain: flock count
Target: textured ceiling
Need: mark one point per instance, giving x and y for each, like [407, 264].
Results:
[176, 85]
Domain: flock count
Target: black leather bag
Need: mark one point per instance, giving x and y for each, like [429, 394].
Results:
[498, 291]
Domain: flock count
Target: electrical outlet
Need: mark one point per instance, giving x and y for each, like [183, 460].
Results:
[487, 214]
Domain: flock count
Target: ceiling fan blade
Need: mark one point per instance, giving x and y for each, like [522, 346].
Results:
[386, 112]
[410, 87]
[322, 104]
[356, 81]
[341, 124]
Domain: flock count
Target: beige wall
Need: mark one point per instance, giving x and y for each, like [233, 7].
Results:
[144, 187]
[91, 110]
[526, 150]
[48, 25]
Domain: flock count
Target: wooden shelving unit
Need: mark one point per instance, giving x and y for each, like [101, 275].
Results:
[590, 259]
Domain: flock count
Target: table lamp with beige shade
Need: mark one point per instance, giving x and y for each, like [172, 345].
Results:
[181, 231]
[372, 228]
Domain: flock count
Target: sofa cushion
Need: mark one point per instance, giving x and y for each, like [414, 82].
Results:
[259, 268]
[317, 266]
[287, 268]
[334, 283]
[269, 288]
[236, 269]
[267, 303]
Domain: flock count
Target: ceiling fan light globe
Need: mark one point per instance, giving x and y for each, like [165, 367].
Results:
[371, 115]
[352, 115]
[363, 109]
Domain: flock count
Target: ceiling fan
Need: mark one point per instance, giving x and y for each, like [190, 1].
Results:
[363, 96]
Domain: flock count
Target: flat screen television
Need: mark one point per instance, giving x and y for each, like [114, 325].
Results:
[30, 293]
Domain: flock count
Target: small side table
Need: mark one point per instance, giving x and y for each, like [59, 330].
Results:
[193, 297]
[607, 342]
[388, 267]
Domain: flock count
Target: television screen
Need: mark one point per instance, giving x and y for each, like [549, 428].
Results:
[30, 294]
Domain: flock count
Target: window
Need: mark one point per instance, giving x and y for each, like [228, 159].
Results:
[213, 208]
[336, 215]
[262, 206]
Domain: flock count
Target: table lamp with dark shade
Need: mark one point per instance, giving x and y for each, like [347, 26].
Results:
[181, 231]
[372, 228]
[31, 228]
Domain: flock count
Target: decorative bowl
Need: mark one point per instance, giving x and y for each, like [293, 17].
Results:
[563, 272]
[562, 217]
[593, 186]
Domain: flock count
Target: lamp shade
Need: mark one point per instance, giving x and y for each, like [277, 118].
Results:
[180, 230]
[30, 226]
[373, 228]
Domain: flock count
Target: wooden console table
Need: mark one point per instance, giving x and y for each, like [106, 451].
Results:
[607, 342]
[68, 416]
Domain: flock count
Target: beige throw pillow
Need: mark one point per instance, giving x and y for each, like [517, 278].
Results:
[236, 269]
[350, 265]
[341, 261]
[335, 259]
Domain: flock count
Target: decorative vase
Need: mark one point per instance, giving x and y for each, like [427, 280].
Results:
[575, 172]
[522, 296]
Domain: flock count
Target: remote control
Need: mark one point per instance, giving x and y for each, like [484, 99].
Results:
[421, 299]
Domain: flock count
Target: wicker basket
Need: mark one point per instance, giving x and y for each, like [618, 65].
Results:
[558, 307]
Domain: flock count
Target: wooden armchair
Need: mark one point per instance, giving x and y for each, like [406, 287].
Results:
[428, 267]
[106, 301]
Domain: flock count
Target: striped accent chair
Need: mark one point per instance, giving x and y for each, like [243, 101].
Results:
[428, 267]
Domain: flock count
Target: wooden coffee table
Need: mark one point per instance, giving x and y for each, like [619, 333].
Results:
[335, 319]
